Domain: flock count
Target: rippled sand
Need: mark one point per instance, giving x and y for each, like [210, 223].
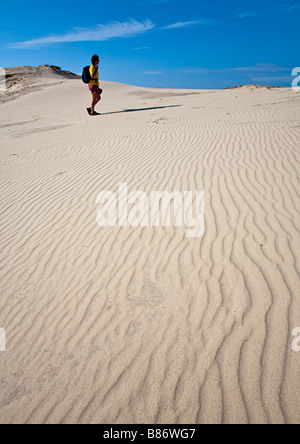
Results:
[143, 325]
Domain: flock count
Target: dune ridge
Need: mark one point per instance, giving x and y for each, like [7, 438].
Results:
[22, 80]
[142, 325]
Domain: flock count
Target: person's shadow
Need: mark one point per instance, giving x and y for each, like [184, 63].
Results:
[138, 109]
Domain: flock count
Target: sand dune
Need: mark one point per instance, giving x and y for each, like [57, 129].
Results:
[22, 80]
[143, 325]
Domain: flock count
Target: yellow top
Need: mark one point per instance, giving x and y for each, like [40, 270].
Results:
[94, 82]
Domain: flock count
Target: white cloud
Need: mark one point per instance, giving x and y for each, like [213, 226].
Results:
[101, 32]
[260, 68]
[153, 73]
[97, 33]
[293, 7]
[247, 14]
[189, 23]
[198, 70]
[273, 79]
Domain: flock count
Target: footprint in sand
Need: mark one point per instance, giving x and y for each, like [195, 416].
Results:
[161, 121]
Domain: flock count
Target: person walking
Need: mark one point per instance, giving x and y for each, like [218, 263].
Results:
[94, 85]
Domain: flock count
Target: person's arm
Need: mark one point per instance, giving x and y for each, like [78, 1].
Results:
[95, 73]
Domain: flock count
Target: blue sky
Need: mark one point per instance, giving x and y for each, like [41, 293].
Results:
[163, 43]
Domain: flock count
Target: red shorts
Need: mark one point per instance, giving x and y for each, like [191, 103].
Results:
[95, 89]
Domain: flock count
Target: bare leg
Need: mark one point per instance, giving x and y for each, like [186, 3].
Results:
[94, 102]
[96, 99]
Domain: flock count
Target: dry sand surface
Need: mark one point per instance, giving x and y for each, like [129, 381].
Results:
[143, 325]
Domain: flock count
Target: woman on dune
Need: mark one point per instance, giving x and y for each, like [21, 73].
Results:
[94, 85]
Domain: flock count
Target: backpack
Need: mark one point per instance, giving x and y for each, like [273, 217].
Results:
[86, 76]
